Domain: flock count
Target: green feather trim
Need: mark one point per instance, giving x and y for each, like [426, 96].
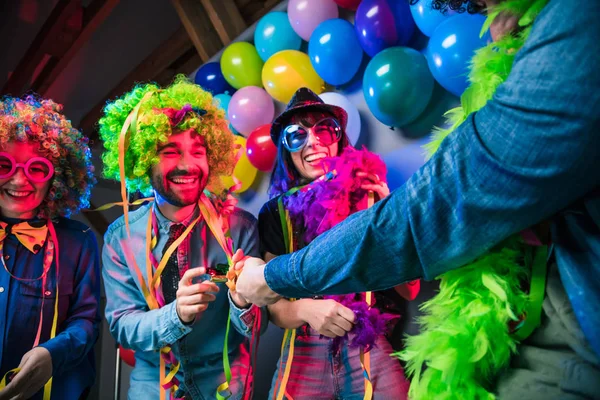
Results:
[465, 339]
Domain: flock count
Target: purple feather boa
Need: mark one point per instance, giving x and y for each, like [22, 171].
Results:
[326, 202]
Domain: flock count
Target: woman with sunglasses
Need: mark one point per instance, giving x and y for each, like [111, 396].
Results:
[321, 364]
[49, 279]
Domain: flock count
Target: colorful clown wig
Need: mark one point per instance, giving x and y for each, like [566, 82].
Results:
[179, 107]
[32, 119]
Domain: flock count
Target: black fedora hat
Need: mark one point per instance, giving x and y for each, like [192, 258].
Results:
[306, 100]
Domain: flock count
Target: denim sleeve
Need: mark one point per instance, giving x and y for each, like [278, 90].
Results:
[77, 339]
[245, 236]
[530, 152]
[131, 322]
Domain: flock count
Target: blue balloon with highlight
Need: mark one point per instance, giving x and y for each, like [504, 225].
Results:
[273, 34]
[381, 24]
[210, 77]
[426, 18]
[335, 52]
[451, 48]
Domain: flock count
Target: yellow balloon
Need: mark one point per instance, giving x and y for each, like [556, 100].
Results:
[287, 71]
[244, 171]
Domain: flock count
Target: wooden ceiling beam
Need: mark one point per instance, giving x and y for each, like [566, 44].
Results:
[93, 16]
[226, 19]
[45, 40]
[208, 25]
[199, 27]
[176, 46]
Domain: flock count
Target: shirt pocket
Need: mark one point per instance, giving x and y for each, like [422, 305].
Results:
[32, 299]
[34, 289]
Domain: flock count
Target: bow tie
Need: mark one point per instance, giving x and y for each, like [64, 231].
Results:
[32, 237]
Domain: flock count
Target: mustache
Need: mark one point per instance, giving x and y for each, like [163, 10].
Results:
[179, 172]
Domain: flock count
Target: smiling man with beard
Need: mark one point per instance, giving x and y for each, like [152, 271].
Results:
[160, 260]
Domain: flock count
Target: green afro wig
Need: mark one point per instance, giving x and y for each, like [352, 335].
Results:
[154, 128]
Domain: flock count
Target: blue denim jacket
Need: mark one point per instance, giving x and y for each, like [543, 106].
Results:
[532, 153]
[199, 346]
[73, 363]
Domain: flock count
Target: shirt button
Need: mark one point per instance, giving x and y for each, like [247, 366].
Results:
[1, 289]
[7, 256]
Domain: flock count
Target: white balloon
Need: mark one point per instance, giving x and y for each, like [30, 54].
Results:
[353, 126]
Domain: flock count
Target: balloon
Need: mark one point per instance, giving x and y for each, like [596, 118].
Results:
[353, 126]
[451, 47]
[209, 76]
[222, 101]
[306, 15]
[397, 85]
[260, 149]
[249, 108]
[348, 4]
[127, 355]
[426, 18]
[404, 162]
[288, 71]
[335, 52]
[241, 65]
[274, 33]
[243, 171]
[381, 24]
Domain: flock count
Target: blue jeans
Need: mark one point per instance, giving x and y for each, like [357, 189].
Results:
[319, 373]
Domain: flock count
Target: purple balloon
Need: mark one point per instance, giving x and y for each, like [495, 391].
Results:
[381, 24]
[306, 15]
[249, 108]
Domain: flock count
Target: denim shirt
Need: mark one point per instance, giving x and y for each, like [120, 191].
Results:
[199, 346]
[73, 363]
[531, 154]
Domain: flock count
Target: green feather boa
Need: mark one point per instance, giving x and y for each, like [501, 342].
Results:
[465, 339]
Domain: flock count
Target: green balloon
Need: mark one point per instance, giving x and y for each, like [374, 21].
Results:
[397, 85]
[241, 65]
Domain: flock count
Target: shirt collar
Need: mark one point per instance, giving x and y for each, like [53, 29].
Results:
[165, 224]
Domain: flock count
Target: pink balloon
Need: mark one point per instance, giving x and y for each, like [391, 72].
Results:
[306, 15]
[249, 108]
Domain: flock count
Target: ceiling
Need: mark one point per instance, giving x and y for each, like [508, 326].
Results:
[83, 52]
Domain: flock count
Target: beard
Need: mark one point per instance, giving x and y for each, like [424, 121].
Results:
[160, 183]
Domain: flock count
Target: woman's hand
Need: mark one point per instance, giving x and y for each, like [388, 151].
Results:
[372, 182]
[328, 317]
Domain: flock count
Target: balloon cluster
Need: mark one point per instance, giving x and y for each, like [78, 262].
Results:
[397, 83]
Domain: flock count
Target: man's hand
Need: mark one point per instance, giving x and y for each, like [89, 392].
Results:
[36, 369]
[328, 317]
[251, 284]
[193, 298]
[238, 261]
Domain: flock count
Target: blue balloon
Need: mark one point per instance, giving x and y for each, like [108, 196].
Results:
[426, 18]
[451, 47]
[210, 77]
[334, 51]
[404, 162]
[273, 34]
[397, 86]
[222, 101]
[381, 24]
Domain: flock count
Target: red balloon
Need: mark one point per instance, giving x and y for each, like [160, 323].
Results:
[127, 355]
[260, 149]
[348, 4]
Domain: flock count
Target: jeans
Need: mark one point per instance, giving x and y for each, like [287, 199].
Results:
[320, 373]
